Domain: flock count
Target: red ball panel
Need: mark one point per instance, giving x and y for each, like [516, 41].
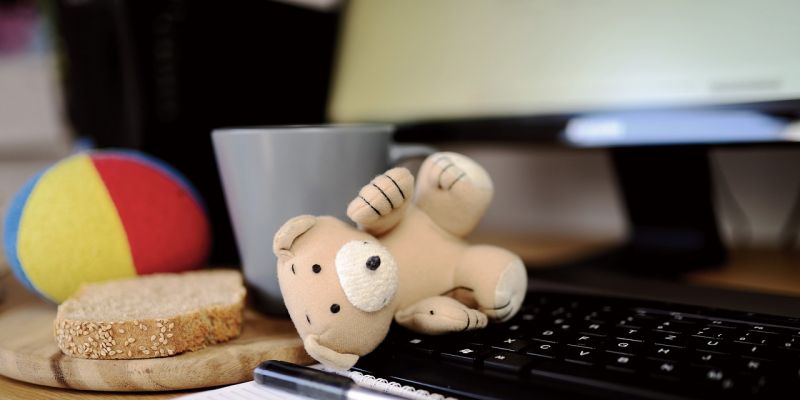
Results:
[167, 229]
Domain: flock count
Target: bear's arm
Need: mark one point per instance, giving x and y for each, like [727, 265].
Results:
[440, 314]
[381, 204]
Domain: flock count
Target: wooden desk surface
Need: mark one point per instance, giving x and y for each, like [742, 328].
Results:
[759, 270]
[755, 270]
[12, 389]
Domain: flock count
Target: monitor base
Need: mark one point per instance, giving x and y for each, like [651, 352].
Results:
[668, 197]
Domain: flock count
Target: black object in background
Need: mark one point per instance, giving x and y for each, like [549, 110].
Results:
[159, 76]
[668, 202]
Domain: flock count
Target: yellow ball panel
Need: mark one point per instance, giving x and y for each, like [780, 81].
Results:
[70, 231]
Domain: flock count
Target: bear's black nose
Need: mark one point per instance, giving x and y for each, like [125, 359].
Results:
[373, 263]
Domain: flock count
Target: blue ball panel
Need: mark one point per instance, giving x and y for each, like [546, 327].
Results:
[11, 229]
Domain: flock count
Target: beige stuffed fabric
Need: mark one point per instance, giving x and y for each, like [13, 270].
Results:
[344, 286]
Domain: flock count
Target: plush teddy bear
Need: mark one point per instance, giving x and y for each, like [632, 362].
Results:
[343, 286]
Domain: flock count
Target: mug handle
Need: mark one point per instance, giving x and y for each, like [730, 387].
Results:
[402, 152]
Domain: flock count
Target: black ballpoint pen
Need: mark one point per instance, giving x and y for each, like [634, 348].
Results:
[313, 383]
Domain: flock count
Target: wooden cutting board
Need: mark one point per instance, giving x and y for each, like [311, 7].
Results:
[28, 352]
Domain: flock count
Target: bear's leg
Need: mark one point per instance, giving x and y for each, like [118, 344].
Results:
[495, 278]
[438, 315]
[454, 191]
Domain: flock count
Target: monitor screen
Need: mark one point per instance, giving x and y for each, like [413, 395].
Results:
[433, 60]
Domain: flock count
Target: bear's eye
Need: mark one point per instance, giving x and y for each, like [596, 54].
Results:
[368, 275]
[373, 263]
[335, 308]
[316, 268]
[293, 273]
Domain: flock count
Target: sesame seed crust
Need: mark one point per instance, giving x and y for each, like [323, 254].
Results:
[163, 337]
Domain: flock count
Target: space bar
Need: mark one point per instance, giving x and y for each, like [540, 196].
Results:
[550, 380]
[601, 380]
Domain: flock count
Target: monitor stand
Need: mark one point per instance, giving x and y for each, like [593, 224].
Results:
[667, 193]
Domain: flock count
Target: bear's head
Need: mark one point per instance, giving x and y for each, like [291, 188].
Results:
[338, 284]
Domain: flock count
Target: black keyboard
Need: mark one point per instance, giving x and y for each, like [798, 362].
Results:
[562, 345]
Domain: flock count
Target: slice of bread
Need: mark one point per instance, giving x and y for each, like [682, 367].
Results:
[151, 316]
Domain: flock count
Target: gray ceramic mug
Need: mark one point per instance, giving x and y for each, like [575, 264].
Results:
[271, 174]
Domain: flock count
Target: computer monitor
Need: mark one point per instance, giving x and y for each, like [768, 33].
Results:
[656, 81]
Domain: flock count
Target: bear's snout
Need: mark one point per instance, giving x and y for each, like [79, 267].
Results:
[373, 263]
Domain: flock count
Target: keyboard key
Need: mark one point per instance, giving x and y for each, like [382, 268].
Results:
[542, 349]
[526, 317]
[622, 362]
[511, 330]
[586, 341]
[751, 384]
[674, 326]
[765, 329]
[594, 329]
[756, 338]
[476, 337]
[725, 324]
[580, 355]
[629, 334]
[752, 366]
[635, 322]
[419, 344]
[710, 345]
[704, 358]
[669, 339]
[714, 333]
[562, 324]
[594, 316]
[713, 374]
[624, 347]
[756, 351]
[506, 362]
[556, 311]
[712, 377]
[681, 318]
[664, 369]
[643, 313]
[511, 344]
[552, 335]
[465, 354]
[666, 353]
[530, 308]
[789, 343]
[602, 311]
[542, 300]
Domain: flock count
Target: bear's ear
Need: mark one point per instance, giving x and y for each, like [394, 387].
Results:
[328, 356]
[286, 235]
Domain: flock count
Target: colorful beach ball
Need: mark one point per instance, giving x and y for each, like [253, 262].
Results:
[103, 215]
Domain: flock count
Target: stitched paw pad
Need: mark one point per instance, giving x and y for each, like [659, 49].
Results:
[384, 194]
[510, 293]
[449, 171]
[446, 172]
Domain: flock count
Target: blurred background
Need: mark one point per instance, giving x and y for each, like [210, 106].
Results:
[160, 75]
